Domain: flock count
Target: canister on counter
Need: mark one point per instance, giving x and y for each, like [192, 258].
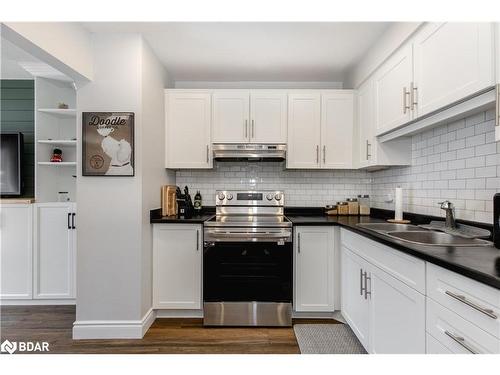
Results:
[342, 208]
[364, 204]
[353, 206]
[331, 209]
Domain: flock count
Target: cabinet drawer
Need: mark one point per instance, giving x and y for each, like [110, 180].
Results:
[456, 333]
[404, 267]
[473, 301]
[434, 346]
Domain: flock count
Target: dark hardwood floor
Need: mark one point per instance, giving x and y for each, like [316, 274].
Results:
[169, 336]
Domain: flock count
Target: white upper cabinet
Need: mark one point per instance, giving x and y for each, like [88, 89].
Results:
[231, 116]
[366, 124]
[55, 253]
[304, 128]
[16, 251]
[268, 116]
[452, 61]
[314, 269]
[188, 129]
[337, 129]
[392, 90]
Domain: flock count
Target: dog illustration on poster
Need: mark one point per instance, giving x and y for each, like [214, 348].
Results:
[108, 143]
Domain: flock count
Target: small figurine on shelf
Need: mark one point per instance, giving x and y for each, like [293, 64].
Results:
[56, 156]
[62, 105]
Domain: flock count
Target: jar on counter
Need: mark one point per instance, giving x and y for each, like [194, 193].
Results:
[353, 206]
[364, 204]
[342, 208]
[331, 210]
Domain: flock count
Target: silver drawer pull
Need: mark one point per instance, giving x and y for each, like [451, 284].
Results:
[462, 299]
[461, 341]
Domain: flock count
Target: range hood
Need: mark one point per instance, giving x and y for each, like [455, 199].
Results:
[252, 152]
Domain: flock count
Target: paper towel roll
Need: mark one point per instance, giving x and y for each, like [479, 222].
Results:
[398, 209]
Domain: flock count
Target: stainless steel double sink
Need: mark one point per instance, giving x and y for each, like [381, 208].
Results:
[416, 235]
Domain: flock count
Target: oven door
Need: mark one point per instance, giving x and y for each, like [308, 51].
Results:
[237, 271]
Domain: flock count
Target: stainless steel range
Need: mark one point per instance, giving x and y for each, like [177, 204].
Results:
[247, 261]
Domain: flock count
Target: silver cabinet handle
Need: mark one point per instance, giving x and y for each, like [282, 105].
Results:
[405, 104]
[414, 96]
[298, 242]
[253, 129]
[246, 128]
[461, 341]
[208, 152]
[317, 154]
[368, 292]
[368, 145]
[324, 154]
[197, 240]
[497, 119]
[485, 311]
[361, 282]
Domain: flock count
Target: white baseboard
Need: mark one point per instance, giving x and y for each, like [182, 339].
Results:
[113, 329]
[36, 302]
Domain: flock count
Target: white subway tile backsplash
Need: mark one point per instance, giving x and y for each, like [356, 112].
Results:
[469, 177]
[459, 161]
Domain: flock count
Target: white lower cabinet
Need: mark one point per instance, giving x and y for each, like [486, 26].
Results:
[386, 314]
[314, 259]
[397, 315]
[177, 266]
[54, 251]
[354, 306]
[16, 251]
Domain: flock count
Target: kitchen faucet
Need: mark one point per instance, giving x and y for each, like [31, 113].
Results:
[450, 214]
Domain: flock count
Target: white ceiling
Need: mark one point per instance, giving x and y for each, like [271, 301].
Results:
[19, 64]
[255, 51]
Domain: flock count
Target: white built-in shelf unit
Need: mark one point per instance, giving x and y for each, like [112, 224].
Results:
[54, 128]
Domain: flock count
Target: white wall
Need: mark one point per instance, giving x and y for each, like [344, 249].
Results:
[109, 209]
[258, 85]
[394, 37]
[65, 46]
[154, 80]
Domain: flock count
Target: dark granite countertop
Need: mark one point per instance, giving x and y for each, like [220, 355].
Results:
[478, 263]
[156, 218]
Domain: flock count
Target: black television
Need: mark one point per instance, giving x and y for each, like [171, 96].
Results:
[11, 164]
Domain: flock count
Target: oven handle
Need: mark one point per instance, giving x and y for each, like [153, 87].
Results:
[273, 235]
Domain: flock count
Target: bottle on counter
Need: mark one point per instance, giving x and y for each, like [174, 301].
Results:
[353, 206]
[198, 206]
[364, 204]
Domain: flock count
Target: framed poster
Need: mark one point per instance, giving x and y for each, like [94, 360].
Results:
[108, 144]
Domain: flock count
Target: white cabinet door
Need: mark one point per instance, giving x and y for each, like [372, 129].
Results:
[188, 129]
[268, 114]
[16, 251]
[304, 130]
[392, 90]
[177, 267]
[314, 269]
[231, 117]
[355, 307]
[397, 315]
[366, 124]
[337, 129]
[54, 255]
[452, 60]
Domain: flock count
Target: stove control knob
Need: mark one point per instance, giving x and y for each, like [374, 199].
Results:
[221, 196]
[269, 197]
[229, 196]
[277, 197]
